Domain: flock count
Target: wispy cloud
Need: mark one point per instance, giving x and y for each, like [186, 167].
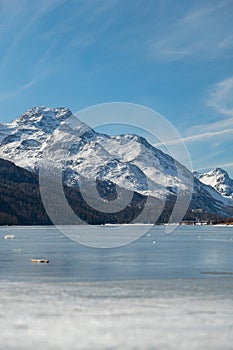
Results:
[49, 50]
[220, 100]
[198, 137]
[221, 97]
[217, 165]
[29, 84]
[4, 96]
[212, 136]
[26, 13]
[201, 32]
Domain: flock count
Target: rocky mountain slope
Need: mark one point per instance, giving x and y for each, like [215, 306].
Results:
[21, 204]
[128, 161]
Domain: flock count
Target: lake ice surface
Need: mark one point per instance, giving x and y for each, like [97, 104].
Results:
[160, 292]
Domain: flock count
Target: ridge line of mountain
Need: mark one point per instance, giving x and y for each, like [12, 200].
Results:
[128, 161]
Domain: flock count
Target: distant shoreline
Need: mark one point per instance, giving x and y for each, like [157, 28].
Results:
[125, 224]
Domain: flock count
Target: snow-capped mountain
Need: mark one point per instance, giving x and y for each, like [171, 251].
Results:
[219, 180]
[128, 161]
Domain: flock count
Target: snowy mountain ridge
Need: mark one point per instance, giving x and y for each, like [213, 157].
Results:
[126, 160]
[219, 180]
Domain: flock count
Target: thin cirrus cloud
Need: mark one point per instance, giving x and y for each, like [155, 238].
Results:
[198, 137]
[216, 136]
[26, 13]
[217, 165]
[221, 97]
[216, 133]
[17, 91]
[203, 32]
[221, 101]
[21, 18]
[76, 31]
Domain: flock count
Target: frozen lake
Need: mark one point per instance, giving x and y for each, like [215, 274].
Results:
[164, 291]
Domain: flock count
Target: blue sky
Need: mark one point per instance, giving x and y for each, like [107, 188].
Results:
[173, 56]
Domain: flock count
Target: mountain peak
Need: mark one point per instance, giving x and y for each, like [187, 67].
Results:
[218, 171]
[219, 179]
[42, 118]
[128, 161]
[45, 109]
[37, 113]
